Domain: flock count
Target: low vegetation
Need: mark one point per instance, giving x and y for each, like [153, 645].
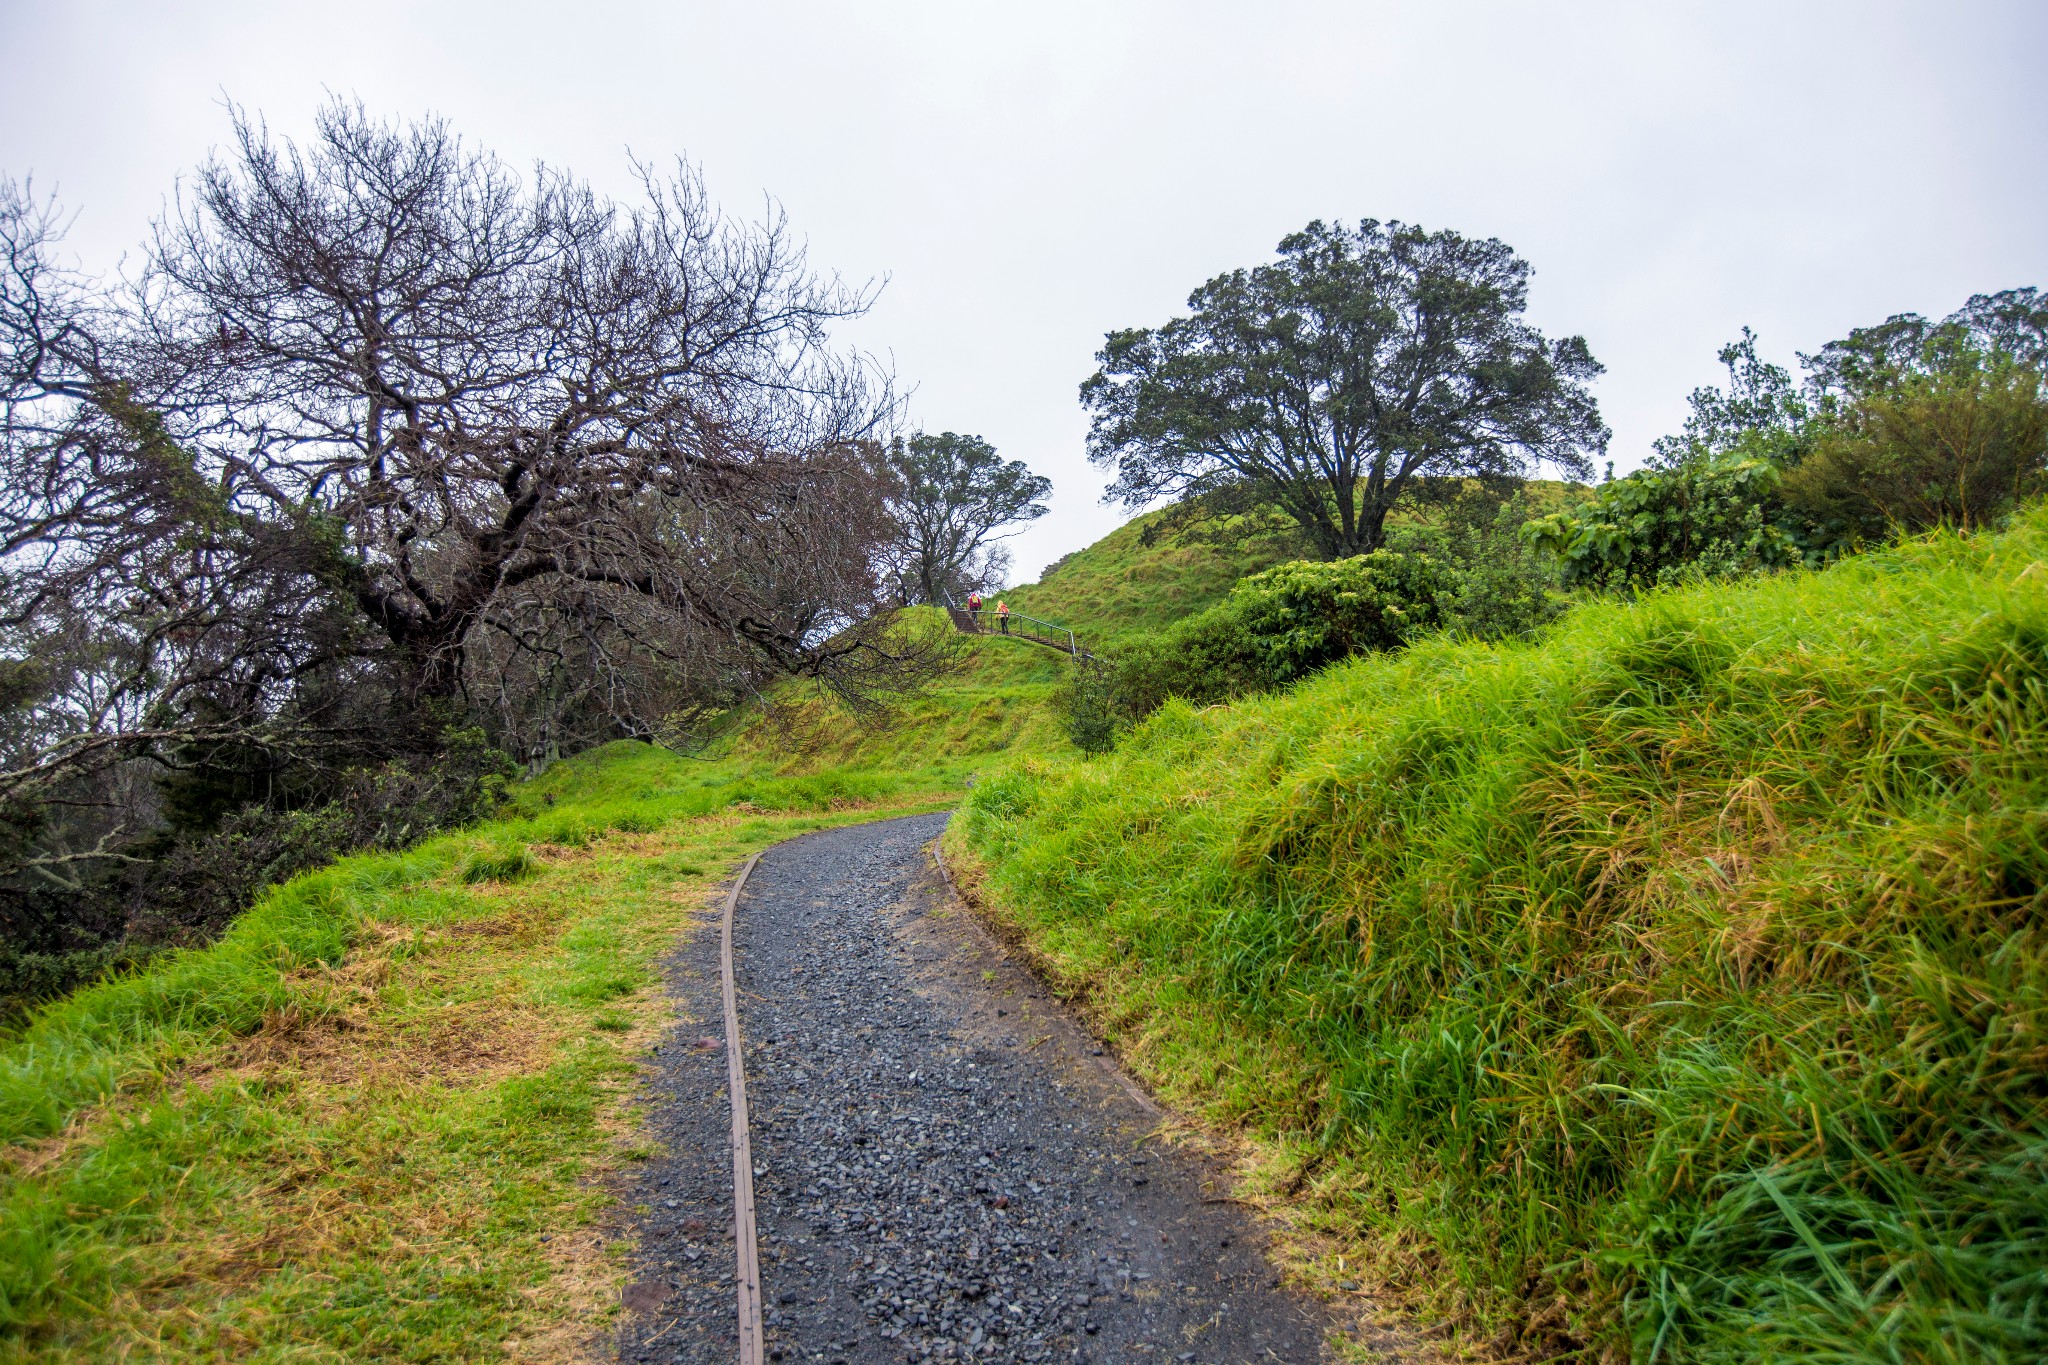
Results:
[1150, 572]
[374, 1120]
[1613, 913]
[1672, 985]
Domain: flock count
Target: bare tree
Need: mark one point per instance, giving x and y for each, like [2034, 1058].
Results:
[565, 662]
[139, 610]
[472, 385]
[383, 439]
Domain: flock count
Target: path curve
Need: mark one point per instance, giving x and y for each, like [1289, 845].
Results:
[944, 1166]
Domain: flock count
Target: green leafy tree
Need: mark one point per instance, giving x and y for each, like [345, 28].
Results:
[1898, 427]
[2012, 324]
[1760, 413]
[1329, 380]
[1921, 423]
[952, 496]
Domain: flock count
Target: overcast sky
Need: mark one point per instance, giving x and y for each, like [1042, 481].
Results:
[1028, 176]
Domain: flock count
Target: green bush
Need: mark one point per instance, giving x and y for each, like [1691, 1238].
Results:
[1710, 518]
[1087, 706]
[1959, 447]
[1506, 585]
[1899, 428]
[1305, 616]
[1279, 626]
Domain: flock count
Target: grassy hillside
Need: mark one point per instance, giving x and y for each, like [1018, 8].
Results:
[1672, 986]
[996, 700]
[999, 699]
[1120, 585]
[374, 1121]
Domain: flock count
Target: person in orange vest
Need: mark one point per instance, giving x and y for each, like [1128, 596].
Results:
[1003, 616]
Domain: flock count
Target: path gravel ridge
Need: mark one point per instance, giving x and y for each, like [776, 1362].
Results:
[946, 1168]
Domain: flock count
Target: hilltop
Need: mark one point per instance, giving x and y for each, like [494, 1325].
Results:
[1143, 577]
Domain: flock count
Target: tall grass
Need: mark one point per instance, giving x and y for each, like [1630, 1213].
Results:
[1676, 982]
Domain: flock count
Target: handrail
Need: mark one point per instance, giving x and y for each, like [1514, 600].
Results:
[1016, 623]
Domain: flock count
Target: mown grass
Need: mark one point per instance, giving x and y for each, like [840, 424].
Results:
[343, 1131]
[1673, 986]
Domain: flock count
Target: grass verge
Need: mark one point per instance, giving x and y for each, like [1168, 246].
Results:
[374, 1120]
[1671, 987]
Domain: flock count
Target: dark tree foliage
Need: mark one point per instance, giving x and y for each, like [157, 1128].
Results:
[1330, 379]
[952, 497]
[1922, 424]
[1958, 446]
[2012, 323]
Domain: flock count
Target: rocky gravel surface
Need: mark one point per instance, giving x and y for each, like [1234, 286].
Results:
[946, 1166]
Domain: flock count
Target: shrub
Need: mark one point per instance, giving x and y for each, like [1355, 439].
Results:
[1711, 518]
[1279, 626]
[1506, 585]
[1960, 447]
[1304, 616]
[1087, 706]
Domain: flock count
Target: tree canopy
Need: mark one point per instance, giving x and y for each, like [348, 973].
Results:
[1329, 380]
[520, 409]
[951, 497]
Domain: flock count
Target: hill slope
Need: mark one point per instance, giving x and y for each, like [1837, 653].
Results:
[1676, 983]
[1120, 585]
[999, 699]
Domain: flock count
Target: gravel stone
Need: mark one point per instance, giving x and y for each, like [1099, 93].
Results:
[945, 1167]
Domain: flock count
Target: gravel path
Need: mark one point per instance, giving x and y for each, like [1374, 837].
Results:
[945, 1167]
